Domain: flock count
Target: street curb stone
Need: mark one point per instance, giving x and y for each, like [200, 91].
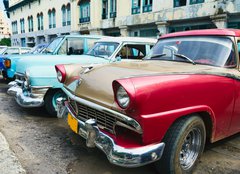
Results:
[9, 163]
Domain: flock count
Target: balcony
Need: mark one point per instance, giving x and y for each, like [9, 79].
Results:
[135, 10]
[113, 14]
[83, 20]
[147, 8]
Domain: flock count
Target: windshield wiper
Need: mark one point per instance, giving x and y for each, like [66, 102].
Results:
[185, 57]
[97, 56]
[157, 55]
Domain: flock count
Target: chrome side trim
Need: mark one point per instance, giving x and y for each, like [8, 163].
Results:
[118, 115]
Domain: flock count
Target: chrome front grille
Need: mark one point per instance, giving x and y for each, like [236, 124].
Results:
[104, 120]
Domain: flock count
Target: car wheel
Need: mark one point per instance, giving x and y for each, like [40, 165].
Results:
[184, 144]
[50, 101]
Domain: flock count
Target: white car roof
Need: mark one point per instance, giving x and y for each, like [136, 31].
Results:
[128, 39]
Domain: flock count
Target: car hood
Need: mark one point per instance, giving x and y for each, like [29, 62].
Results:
[52, 60]
[96, 85]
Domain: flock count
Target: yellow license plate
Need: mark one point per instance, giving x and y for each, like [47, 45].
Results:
[73, 123]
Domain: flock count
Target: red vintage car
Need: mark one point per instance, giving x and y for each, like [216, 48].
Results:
[163, 108]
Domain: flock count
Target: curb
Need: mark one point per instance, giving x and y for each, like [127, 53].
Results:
[9, 163]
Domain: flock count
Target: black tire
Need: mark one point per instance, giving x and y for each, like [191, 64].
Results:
[178, 141]
[50, 98]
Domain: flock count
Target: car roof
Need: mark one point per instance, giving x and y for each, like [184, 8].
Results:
[207, 32]
[128, 39]
[84, 36]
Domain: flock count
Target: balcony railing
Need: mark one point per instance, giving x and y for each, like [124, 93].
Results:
[147, 8]
[113, 14]
[135, 10]
[83, 20]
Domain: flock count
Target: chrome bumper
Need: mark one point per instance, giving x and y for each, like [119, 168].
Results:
[24, 99]
[118, 155]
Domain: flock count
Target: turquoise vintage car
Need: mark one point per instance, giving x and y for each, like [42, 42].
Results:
[62, 45]
[36, 82]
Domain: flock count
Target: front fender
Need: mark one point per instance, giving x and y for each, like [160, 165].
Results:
[43, 76]
[157, 124]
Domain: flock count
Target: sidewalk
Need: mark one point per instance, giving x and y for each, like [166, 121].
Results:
[9, 163]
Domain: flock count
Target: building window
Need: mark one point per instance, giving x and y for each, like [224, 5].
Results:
[68, 14]
[113, 8]
[30, 23]
[136, 4]
[147, 5]
[14, 27]
[40, 21]
[196, 1]
[179, 3]
[22, 26]
[52, 18]
[84, 11]
[104, 9]
[64, 15]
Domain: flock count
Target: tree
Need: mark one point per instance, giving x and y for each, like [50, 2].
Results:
[5, 41]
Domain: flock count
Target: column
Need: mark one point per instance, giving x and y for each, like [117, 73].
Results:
[123, 30]
[162, 27]
[220, 20]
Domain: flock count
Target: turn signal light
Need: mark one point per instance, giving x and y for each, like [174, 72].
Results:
[7, 63]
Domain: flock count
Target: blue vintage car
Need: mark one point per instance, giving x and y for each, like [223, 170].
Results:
[36, 82]
[8, 51]
[63, 45]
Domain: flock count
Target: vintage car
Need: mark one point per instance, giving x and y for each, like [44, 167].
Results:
[161, 109]
[36, 82]
[63, 45]
[12, 51]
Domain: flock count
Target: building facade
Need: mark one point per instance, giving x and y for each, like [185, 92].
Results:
[4, 28]
[36, 21]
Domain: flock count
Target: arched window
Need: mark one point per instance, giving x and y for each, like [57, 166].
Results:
[68, 14]
[50, 18]
[30, 23]
[63, 15]
[40, 21]
[54, 18]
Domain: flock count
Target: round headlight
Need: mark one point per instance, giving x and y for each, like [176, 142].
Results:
[59, 76]
[122, 97]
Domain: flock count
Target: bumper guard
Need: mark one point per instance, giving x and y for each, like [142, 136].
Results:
[118, 155]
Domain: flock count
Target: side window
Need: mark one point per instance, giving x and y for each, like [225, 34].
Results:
[12, 51]
[72, 46]
[90, 43]
[63, 48]
[75, 46]
[25, 50]
[133, 51]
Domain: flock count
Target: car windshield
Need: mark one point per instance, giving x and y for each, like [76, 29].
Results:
[209, 50]
[103, 49]
[2, 50]
[53, 45]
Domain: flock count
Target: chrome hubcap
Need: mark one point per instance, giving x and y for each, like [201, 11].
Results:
[190, 149]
